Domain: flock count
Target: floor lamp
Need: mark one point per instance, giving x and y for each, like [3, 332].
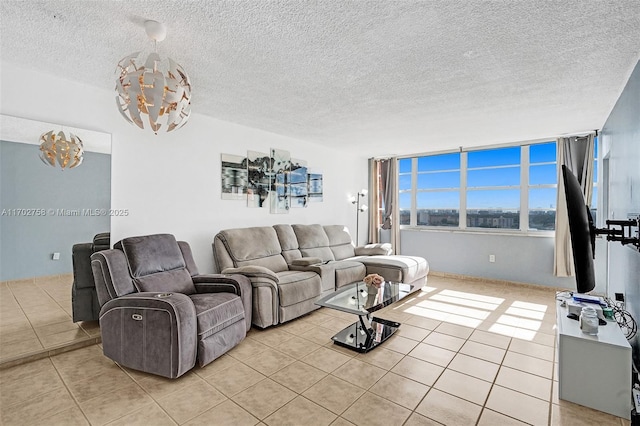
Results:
[359, 208]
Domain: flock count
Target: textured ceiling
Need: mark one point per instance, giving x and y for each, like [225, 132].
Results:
[377, 77]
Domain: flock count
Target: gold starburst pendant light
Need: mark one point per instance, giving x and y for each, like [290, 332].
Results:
[151, 86]
[56, 149]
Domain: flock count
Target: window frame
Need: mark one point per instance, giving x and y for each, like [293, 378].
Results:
[541, 186]
[596, 188]
[524, 188]
[415, 179]
[496, 188]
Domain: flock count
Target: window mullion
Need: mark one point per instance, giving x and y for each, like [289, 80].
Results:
[462, 212]
[414, 199]
[524, 188]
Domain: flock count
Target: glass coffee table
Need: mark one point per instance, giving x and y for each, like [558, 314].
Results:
[359, 299]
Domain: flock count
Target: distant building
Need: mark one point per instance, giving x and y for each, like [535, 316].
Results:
[493, 219]
[499, 219]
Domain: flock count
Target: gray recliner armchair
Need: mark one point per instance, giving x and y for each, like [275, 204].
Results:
[84, 300]
[158, 314]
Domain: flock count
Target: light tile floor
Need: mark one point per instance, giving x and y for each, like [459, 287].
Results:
[35, 317]
[468, 353]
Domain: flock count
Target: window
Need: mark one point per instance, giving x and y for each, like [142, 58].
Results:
[404, 186]
[511, 188]
[438, 190]
[543, 186]
[493, 188]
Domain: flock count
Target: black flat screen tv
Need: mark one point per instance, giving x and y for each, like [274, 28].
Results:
[582, 233]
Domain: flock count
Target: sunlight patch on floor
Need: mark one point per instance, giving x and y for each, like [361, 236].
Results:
[521, 320]
[418, 295]
[464, 302]
[454, 309]
[449, 307]
[518, 333]
[530, 306]
[536, 315]
[472, 296]
[426, 313]
[426, 290]
[443, 316]
[464, 321]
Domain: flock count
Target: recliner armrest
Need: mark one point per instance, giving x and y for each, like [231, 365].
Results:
[253, 271]
[377, 249]
[217, 283]
[232, 283]
[178, 302]
[306, 261]
[319, 268]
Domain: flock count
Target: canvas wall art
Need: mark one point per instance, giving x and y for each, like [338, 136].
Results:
[234, 177]
[298, 184]
[259, 179]
[274, 181]
[280, 169]
[315, 187]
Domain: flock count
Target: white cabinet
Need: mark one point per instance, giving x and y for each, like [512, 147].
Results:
[594, 371]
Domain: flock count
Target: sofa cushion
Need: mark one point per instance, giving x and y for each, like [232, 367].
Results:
[177, 280]
[339, 241]
[377, 249]
[187, 255]
[298, 286]
[342, 251]
[151, 254]
[348, 272]
[399, 268]
[215, 311]
[288, 242]
[313, 241]
[254, 246]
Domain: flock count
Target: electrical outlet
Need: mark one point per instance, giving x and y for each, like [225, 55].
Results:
[55, 256]
[492, 258]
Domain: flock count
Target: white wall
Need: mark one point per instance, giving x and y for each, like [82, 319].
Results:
[621, 137]
[519, 258]
[171, 182]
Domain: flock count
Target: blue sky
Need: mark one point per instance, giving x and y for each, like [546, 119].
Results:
[486, 168]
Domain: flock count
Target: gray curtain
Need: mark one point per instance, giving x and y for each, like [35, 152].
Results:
[395, 208]
[374, 201]
[383, 184]
[386, 189]
[575, 152]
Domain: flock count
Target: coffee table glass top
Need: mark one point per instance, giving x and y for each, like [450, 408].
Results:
[359, 299]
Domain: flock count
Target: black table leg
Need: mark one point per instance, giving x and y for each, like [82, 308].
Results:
[362, 338]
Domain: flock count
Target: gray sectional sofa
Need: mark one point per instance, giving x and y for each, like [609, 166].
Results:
[290, 266]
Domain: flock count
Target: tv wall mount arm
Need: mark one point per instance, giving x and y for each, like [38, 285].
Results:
[622, 231]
